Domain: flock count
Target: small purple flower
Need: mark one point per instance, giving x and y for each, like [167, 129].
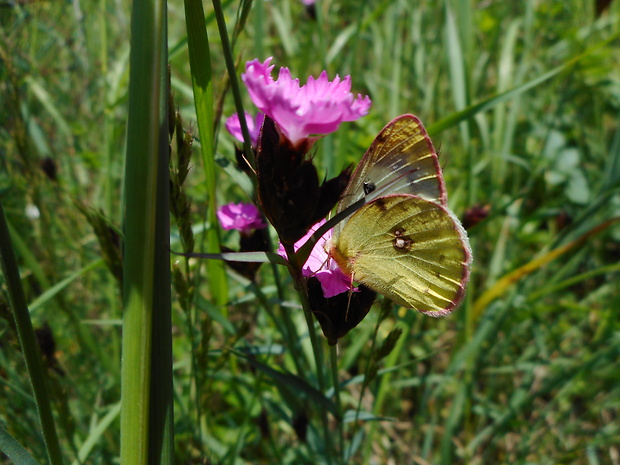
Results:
[318, 107]
[321, 265]
[308, 2]
[233, 126]
[241, 216]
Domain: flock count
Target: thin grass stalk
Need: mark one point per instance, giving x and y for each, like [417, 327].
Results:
[234, 83]
[108, 191]
[327, 143]
[395, 70]
[259, 21]
[28, 342]
[145, 144]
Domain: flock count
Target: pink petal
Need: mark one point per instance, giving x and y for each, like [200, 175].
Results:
[320, 265]
[318, 107]
[334, 282]
[243, 217]
[233, 126]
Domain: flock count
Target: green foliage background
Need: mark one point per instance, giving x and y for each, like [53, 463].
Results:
[527, 374]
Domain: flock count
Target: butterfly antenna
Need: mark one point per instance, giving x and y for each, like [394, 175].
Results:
[346, 315]
[249, 164]
[445, 161]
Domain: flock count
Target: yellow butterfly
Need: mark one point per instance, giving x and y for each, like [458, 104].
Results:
[405, 244]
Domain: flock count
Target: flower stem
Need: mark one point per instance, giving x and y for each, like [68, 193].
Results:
[333, 358]
[295, 271]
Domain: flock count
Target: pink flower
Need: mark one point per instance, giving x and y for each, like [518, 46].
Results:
[254, 124]
[308, 2]
[242, 216]
[321, 266]
[318, 107]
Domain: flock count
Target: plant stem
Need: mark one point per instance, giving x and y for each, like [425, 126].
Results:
[234, 83]
[333, 358]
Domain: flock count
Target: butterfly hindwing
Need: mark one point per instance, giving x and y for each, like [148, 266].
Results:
[412, 250]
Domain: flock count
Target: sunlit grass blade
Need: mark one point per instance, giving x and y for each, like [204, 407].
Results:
[202, 83]
[511, 278]
[459, 81]
[490, 102]
[96, 433]
[573, 280]
[47, 101]
[52, 291]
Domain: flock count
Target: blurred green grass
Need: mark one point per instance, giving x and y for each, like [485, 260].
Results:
[531, 378]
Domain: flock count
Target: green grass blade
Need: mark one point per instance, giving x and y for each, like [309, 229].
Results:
[38, 89]
[28, 341]
[202, 82]
[96, 433]
[490, 102]
[14, 450]
[456, 62]
[29, 260]
[57, 288]
[292, 382]
[161, 415]
[146, 146]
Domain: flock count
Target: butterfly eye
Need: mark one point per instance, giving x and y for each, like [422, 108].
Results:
[369, 187]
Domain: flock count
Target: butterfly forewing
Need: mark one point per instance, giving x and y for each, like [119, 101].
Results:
[412, 250]
[401, 157]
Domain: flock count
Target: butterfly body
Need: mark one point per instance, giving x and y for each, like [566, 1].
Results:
[407, 244]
